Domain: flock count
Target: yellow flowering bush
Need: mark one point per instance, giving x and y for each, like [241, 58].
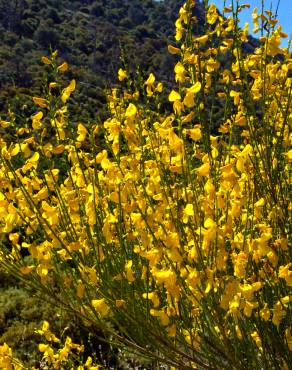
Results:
[173, 237]
[64, 357]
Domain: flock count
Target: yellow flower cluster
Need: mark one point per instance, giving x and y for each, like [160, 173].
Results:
[179, 226]
[6, 357]
[56, 359]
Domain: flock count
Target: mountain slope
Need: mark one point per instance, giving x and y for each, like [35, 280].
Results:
[94, 36]
[91, 35]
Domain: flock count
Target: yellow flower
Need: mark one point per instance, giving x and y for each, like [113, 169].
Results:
[51, 214]
[122, 74]
[131, 112]
[188, 118]
[52, 85]
[179, 30]
[285, 273]
[129, 272]
[82, 132]
[195, 133]
[257, 340]
[239, 262]
[178, 107]
[166, 277]
[175, 142]
[63, 67]
[202, 39]
[149, 84]
[4, 124]
[15, 150]
[150, 80]
[278, 313]
[36, 120]
[188, 211]
[236, 96]
[47, 351]
[80, 290]
[34, 158]
[238, 332]
[153, 297]
[161, 314]
[212, 14]
[248, 307]
[6, 359]
[43, 347]
[255, 17]
[209, 232]
[189, 100]
[171, 330]
[68, 91]
[195, 88]
[273, 44]
[203, 170]
[43, 103]
[265, 312]
[45, 330]
[234, 306]
[159, 87]
[46, 60]
[173, 50]
[26, 269]
[179, 71]
[120, 303]
[101, 306]
[174, 96]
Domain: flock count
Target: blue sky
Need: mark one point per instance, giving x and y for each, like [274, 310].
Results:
[284, 12]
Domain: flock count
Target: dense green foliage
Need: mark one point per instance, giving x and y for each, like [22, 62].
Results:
[91, 35]
[95, 37]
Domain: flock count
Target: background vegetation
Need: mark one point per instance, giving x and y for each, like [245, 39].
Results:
[94, 36]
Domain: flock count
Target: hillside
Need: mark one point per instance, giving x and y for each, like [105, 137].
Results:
[91, 35]
[96, 37]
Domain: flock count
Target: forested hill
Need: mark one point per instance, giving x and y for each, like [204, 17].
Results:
[90, 35]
